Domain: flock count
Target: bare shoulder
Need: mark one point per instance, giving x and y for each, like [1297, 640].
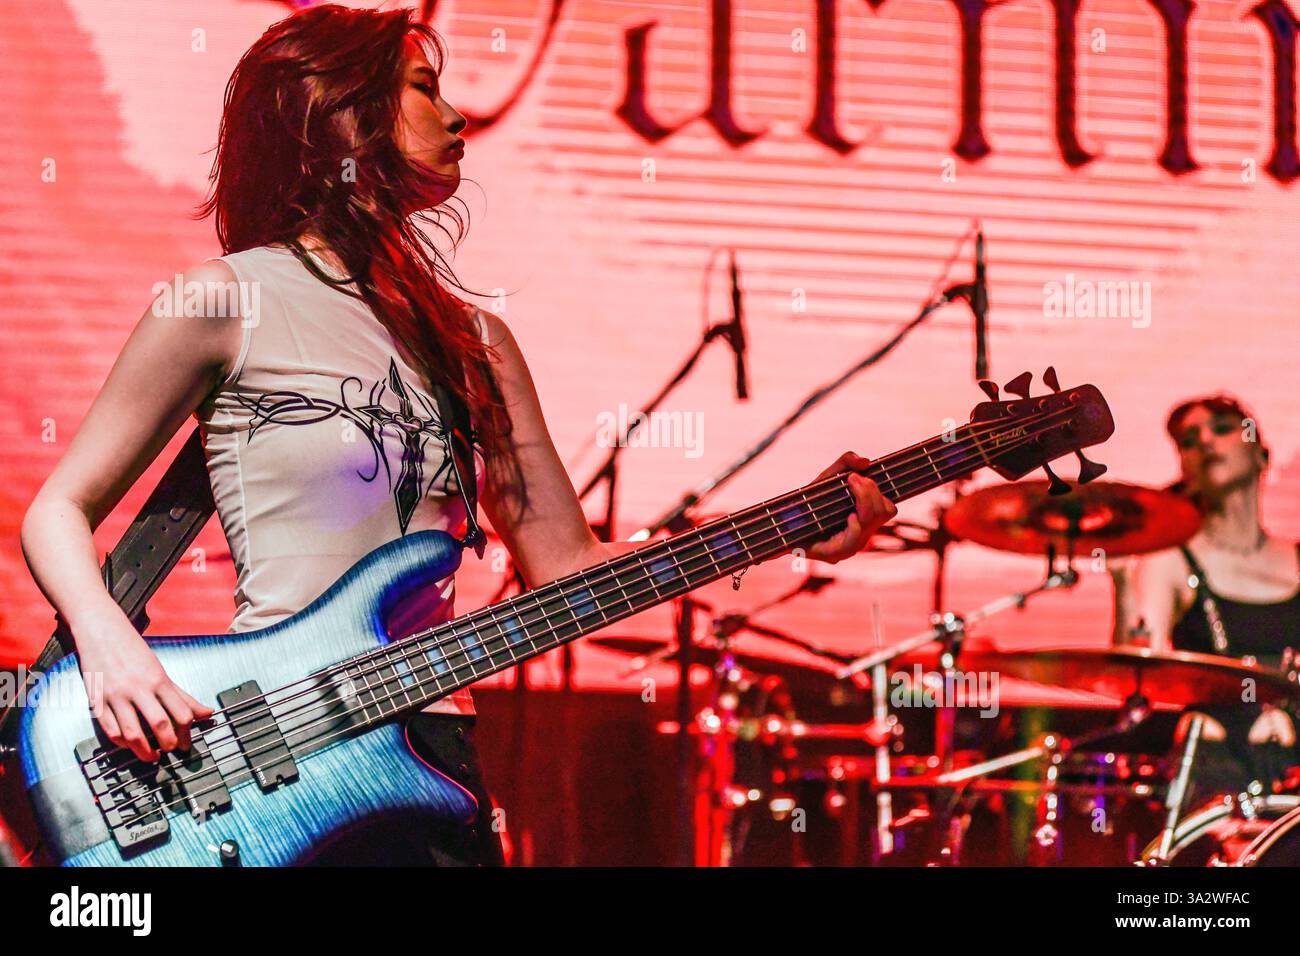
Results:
[1167, 568]
[203, 306]
[209, 289]
[492, 328]
[1167, 560]
[211, 269]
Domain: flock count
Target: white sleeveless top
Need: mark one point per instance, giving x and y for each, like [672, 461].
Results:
[323, 444]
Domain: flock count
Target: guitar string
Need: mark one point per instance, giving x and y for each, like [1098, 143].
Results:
[402, 645]
[377, 701]
[411, 645]
[241, 776]
[329, 706]
[403, 648]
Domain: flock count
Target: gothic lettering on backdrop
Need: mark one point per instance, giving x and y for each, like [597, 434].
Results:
[1275, 16]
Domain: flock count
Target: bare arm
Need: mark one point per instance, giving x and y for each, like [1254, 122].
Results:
[551, 537]
[168, 365]
[1148, 598]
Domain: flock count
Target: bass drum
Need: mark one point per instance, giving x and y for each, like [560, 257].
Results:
[1257, 831]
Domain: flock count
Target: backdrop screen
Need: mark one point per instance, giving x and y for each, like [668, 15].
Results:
[1131, 165]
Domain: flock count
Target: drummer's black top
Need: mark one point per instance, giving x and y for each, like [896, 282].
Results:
[1260, 630]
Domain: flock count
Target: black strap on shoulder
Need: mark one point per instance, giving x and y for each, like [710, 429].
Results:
[1193, 565]
[1201, 585]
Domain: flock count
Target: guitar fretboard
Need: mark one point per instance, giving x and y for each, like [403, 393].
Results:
[427, 666]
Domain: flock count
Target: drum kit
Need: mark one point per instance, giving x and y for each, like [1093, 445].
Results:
[815, 763]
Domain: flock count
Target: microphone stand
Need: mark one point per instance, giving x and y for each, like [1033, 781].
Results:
[608, 471]
[677, 518]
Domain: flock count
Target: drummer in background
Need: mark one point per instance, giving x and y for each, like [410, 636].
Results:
[1231, 590]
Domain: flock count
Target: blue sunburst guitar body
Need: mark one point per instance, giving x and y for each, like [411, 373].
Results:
[348, 782]
[307, 741]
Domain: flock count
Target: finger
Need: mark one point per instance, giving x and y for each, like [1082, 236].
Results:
[199, 710]
[107, 721]
[131, 733]
[849, 461]
[842, 544]
[873, 508]
[882, 509]
[161, 724]
[861, 491]
[172, 698]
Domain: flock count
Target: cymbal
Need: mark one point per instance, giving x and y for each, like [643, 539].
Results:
[708, 656]
[1118, 518]
[1167, 679]
[819, 677]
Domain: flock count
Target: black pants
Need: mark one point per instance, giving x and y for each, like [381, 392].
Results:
[445, 742]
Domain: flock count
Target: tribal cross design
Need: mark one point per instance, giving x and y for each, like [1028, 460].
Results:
[415, 421]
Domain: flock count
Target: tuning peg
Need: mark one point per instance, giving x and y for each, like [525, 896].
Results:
[990, 389]
[1050, 379]
[1089, 470]
[1020, 385]
[1057, 486]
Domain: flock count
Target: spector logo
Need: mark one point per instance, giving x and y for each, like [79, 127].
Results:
[1007, 436]
[75, 908]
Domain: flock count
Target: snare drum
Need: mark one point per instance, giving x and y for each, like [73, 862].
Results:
[1228, 831]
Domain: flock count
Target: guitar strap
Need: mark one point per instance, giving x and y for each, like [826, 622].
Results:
[178, 509]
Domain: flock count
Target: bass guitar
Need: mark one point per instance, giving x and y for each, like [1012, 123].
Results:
[308, 738]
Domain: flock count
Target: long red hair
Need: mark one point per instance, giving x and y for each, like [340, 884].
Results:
[317, 96]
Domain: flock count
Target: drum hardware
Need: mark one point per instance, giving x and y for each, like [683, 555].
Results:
[905, 536]
[1164, 680]
[950, 630]
[883, 845]
[1249, 829]
[1257, 851]
[1045, 847]
[1177, 791]
[1074, 779]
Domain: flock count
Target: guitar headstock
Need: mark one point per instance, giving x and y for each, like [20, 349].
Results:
[1024, 432]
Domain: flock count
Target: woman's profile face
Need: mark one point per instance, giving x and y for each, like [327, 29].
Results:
[1213, 451]
[428, 124]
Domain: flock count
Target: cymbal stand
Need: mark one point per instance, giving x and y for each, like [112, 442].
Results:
[1177, 791]
[884, 842]
[951, 629]
[952, 623]
[716, 797]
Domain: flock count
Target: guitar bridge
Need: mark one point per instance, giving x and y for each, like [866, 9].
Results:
[134, 797]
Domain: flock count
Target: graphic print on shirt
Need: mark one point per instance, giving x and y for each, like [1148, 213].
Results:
[415, 422]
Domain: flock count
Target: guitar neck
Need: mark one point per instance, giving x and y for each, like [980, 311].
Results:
[476, 645]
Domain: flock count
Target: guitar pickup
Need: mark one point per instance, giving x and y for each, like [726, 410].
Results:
[248, 713]
[197, 778]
